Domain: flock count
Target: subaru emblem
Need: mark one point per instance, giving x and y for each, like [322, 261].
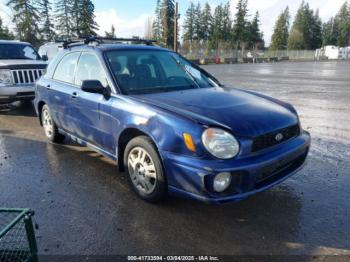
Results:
[279, 137]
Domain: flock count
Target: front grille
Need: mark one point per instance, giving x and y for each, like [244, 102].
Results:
[27, 76]
[269, 140]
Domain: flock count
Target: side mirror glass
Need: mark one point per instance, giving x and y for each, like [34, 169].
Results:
[94, 86]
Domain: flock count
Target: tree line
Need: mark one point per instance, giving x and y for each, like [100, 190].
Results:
[308, 31]
[201, 25]
[38, 21]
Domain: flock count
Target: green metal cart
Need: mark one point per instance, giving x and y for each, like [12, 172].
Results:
[17, 236]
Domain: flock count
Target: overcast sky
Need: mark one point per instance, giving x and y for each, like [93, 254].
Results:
[130, 16]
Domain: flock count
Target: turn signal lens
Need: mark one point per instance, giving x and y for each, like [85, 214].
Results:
[189, 142]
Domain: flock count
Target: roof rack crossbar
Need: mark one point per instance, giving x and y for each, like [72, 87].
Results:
[85, 40]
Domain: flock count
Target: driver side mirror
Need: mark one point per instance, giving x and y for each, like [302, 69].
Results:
[95, 87]
[44, 58]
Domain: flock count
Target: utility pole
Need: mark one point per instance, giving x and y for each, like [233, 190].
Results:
[176, 18]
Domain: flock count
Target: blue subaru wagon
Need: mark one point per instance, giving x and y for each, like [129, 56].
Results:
[168, 123]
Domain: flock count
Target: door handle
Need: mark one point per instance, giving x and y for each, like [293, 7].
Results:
[74, 95]
[48, 87]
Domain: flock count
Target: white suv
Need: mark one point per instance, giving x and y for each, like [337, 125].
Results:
[20, 67]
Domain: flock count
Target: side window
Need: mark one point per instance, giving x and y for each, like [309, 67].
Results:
[66, 68]
[89, 68]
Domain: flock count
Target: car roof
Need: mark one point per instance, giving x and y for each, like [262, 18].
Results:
[112, 47]
[13, 42]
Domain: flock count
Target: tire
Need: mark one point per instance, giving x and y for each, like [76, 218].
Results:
[50, 127]
[145, 170]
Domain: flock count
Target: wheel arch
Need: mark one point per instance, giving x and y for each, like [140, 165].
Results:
[125, 137]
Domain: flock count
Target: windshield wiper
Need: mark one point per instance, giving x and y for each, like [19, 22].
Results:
[186, 71]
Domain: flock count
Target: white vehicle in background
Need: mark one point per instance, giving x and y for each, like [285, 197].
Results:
[344, 53]
[50, 49]
[20, 67]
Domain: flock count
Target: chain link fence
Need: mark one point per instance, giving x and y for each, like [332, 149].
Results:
[17, 238]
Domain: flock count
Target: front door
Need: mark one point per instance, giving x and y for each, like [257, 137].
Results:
[91, 112]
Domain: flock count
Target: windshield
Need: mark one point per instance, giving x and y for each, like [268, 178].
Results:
[18, 51]
[148, 71]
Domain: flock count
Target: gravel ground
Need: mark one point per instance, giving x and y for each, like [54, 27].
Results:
[84, 206]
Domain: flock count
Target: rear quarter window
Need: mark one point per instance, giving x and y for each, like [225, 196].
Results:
[65, 70]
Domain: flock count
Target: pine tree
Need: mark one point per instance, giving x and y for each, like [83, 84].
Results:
[167, 22]
[64, 23]
[240, 26]
[157, 23]
[197, 22]
[316, 32]
[304, 24]
[189, 24]
[255, 35]
[343, 25]
[87, 23]
[76, 15]
[111, 34]
[279, 40]
[206, 22]
[227, 23]
[329, 33]
[26, 19]
[217, 32]
[5, 34]
[47, 27]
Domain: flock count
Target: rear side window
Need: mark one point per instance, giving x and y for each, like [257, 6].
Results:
[66, 68]
[89, 68]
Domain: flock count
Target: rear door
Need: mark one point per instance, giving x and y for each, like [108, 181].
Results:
[91, 112]
[61, 89]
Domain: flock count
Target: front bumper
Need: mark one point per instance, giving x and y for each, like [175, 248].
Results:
[192, 177]
[9, 94]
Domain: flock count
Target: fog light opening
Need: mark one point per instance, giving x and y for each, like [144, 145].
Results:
[222, 181]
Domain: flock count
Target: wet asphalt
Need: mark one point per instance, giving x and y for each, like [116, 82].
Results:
[84, 206]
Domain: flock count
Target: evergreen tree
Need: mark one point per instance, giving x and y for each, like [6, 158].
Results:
[343, 25]
[255, 35]
[64, 23]
[206, 22]
[217, 25]
[316, 32]
[279, 40]
[111, 34]
[227, 22]
[26, 18]
[189, 24]
[5, 34]
[329, 33]
[308, 25]
[157, 24]
[197, 22]
[76, 15]
[167, 22]
[47, 27]
[87, 23]
[240, 26]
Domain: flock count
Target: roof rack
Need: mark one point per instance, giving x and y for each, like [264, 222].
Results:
[86, 40]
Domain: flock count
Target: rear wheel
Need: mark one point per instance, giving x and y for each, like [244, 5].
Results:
[50, 128]
[145, 169]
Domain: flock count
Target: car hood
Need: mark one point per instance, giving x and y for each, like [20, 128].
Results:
[245, 114]
[13, 63]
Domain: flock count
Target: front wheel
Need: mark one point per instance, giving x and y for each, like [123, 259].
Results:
[50, 128]
[145, 169]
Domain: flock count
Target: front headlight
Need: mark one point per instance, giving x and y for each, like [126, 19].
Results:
[5, 77]
[220, 143]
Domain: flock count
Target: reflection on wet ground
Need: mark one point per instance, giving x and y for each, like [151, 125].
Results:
[84, 206]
